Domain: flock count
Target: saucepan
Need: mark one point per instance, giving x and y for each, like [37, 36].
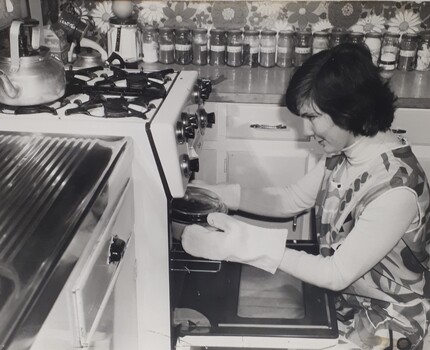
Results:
[194, 208]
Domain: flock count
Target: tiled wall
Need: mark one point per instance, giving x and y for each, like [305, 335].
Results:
[360, 16]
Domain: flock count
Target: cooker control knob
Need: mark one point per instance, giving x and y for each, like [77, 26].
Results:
[189, 120]
[189, 132]
[188, 166]
[205, 88]
[180, 132]
[194, 165]
[196, 94]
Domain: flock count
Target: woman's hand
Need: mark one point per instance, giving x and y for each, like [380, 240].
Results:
[236, 241]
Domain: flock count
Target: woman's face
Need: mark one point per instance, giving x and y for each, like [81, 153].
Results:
[319, 125]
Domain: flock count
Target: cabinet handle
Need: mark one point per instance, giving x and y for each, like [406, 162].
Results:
[398, 131]
[264, 126]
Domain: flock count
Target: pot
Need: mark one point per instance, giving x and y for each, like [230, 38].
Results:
[29, 75]
[194, 208]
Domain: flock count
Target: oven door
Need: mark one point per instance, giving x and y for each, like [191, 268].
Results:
[224, 304]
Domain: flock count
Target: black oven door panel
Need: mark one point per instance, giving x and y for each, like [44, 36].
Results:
[239, 300]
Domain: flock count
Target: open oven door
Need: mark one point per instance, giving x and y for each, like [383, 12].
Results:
[224, 304]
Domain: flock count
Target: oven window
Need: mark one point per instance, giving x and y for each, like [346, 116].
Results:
[263, 295]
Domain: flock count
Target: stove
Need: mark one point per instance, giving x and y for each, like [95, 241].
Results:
[162, 116]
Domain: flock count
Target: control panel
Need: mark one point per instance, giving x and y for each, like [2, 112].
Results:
[178, 128]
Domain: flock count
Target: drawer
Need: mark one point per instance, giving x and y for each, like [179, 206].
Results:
[263, 122]
[416, 124]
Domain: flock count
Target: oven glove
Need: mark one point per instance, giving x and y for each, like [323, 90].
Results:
[236, 241]
[228, 193]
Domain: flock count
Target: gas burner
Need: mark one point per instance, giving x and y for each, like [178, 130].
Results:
[45, 108]
[120, 107]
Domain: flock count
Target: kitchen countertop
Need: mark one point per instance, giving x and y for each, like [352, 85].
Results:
[267, 85]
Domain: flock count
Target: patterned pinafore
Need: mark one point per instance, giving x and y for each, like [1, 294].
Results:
[392, 298]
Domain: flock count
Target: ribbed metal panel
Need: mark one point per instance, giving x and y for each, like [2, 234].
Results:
[47, 185]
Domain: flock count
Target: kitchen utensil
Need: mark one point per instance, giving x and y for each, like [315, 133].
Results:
[29, 75]
[94, 57]
[194, 208]
[125, 38]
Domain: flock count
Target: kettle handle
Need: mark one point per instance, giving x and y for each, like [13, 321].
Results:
[14, 45]
[84, 42]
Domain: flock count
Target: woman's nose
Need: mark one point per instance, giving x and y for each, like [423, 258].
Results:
[307, 128]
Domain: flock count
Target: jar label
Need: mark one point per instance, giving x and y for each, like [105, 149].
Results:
[303, 50]
[407, 53]
[182, 47]
[389, 48]
[234, 49]
[284, 49]
[166, 47]
[217, 48]
[267, 49]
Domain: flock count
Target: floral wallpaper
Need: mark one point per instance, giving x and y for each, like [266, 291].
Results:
[361, 16]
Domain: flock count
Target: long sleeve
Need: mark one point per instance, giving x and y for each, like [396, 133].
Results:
[284, 201]
[376, 232]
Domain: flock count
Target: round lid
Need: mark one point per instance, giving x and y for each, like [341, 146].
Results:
[373, 35]
[217, 31]
[196, 205]
[322, 34]
[268, 32]
[129, 21]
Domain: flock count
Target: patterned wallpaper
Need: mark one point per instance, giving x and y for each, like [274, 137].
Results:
[362, 16]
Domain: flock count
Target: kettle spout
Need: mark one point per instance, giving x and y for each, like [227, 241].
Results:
[7, 86]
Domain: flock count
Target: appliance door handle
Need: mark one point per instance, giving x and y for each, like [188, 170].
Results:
[269, 127]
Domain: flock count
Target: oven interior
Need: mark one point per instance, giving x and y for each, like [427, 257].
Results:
[230, 299]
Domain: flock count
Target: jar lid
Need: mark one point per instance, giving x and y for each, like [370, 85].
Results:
[165, 30]
[356, 34]
[200, 30]
[392, 34]
[196, 205]
[303, 33]
[425, 34]
[149, 29]
[373, 35]
[123, 21]
[322, 34]
[217, 31]
[286, 32]
[409, 36]
[182, 30]
[268, 32]
[250, 32]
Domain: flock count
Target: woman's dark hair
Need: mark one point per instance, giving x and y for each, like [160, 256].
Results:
[344, 83]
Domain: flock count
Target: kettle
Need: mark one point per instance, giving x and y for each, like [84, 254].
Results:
[30, 75]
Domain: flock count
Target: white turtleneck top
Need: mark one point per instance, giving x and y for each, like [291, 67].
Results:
[390, 216]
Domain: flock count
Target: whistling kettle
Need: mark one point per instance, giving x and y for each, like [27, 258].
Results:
[29, 75]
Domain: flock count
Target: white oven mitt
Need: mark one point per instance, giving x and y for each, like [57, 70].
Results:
[228, 193]
[237, 241]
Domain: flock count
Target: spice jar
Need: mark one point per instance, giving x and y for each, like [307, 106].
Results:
[268, 48]
[373, 41]
[356, 38]
[302, 49]
[234, 47]
[251, 46]
[338, 37]
[218, 43]
[183, 46]
[285, 48]
[423, 53]
[320, 42]
[389, 51]
[200, 46]
[149, 44]
[166, 41]
[408, 52]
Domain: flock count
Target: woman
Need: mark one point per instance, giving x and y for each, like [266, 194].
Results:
[372, 206]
